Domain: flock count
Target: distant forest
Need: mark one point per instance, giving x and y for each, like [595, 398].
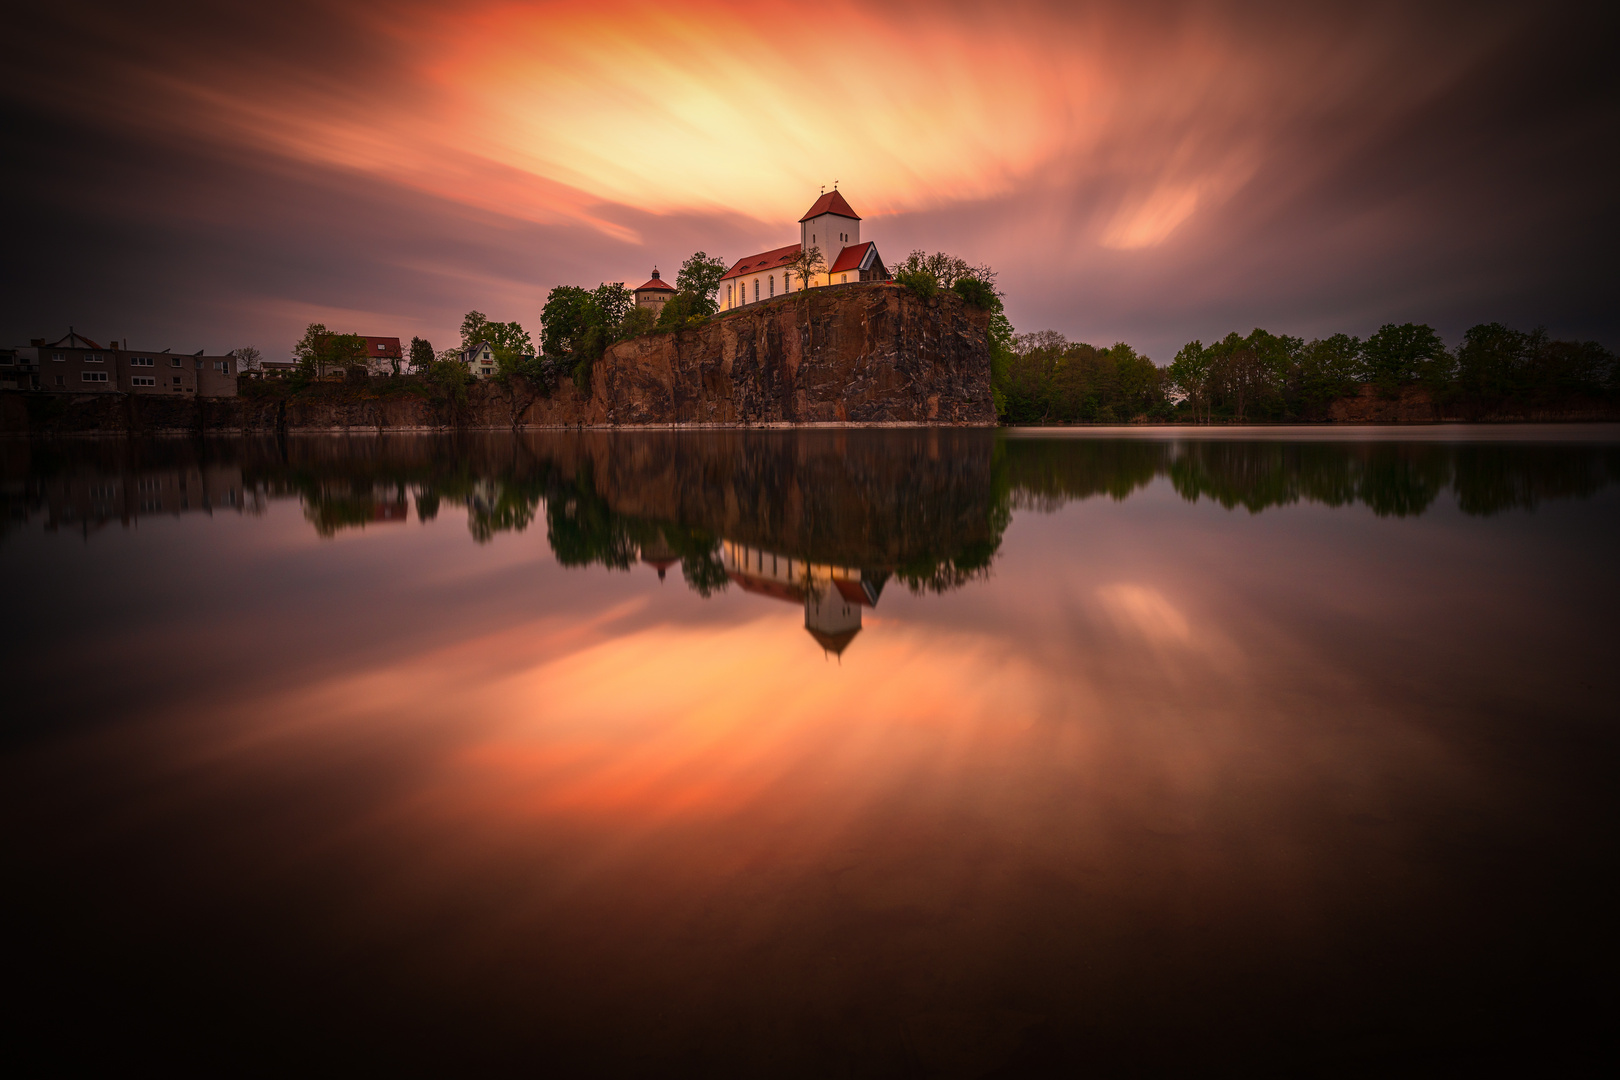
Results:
[1495, 371]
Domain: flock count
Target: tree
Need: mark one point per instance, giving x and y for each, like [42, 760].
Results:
[563, 320]
[1328, 369]
[807, 264]
[945, 269]
[248, 358]
[978, 293]
[474, 329]
[1409, 353]
[681, 311]
[311, 350]
[421, 355]
[612, 301]
[700, 275]
[637, 321]
[1190, 376]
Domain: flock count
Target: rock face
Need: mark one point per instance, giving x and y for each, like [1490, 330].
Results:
[871, 353]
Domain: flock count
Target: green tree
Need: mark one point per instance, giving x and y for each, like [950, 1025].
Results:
[312, 352]
[1189, 376]
[564, 320]
[421, 355]
[700, 275]
[1329, 369]
[1409, 353]
[979, 293]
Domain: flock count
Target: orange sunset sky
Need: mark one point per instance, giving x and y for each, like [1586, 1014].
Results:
[210, 176]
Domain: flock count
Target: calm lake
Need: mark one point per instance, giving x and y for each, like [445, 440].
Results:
[818, 753]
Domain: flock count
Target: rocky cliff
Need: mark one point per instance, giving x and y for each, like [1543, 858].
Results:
[870, 353]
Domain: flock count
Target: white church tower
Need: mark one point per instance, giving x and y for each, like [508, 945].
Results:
[830, 225]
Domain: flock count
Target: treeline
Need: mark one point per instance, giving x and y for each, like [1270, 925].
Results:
[1392, 479]
[1265, 377]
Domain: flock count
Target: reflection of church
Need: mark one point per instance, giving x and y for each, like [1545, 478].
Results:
[832, 595]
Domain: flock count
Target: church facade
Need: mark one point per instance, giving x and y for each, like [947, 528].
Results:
[832, 227]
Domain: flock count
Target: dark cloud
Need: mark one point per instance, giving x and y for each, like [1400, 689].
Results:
[1351, 166]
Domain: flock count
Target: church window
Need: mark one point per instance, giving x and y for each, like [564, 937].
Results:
[787, 281]
[773, 285]
[756, 290]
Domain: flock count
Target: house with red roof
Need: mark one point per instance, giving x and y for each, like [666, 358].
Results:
[832, 596]
[832, 227]
[654, 294]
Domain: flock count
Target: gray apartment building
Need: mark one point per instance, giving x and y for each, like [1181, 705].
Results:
[75, 364]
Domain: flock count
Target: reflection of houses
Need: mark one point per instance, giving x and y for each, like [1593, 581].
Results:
[89, 500]
[832, 595]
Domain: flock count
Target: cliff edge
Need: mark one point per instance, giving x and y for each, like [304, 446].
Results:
[870, 353]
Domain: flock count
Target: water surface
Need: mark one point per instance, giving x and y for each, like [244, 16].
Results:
[872, 753]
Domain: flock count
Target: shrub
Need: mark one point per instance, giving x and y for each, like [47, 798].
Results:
[920, 282]
[978, 293]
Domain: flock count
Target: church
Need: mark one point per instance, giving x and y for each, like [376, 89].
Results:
[831, 226]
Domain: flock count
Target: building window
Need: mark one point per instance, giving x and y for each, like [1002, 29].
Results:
[756, 290]
[58, 357]
[773, 285]
[93, 376]
[177, 378]
[176, 361]
[61, 381]
[142, 380]
[92, 358]
[843, 278]
[140, 361]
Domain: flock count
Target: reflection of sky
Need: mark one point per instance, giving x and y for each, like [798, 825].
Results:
[1156, 721]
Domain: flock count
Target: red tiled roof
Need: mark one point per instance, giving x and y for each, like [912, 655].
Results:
[74, 341]
[852, 591]
[390, 347]
[776, 590]
[831, 203]
[765, 260]
[833, 643]
[850, 258]
[655, 283]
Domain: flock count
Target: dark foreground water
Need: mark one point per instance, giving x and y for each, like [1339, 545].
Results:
[921, 753]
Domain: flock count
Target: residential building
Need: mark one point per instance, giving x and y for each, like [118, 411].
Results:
[384, 355]
[76, 364]
[480, 360]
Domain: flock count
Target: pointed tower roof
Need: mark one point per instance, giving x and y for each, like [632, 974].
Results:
[831, 203]
[655, 282]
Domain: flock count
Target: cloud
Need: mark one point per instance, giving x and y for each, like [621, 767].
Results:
[1145, 172]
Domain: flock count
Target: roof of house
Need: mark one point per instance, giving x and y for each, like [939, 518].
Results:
[764, 586]
[850, 258]
[386, 347]
[830, 203]
[656, 282]
[855, 591]
[833, 643]
[74, 341]
[765, 260]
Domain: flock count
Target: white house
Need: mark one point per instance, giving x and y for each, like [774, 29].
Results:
[832, 227]
[480, 360]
